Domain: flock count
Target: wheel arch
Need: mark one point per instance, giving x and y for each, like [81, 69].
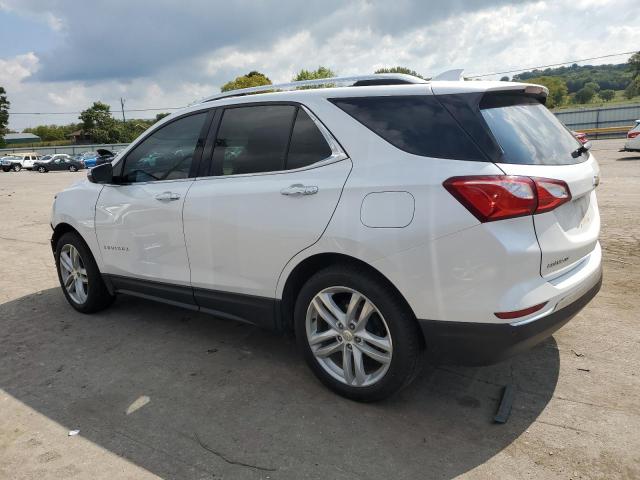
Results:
[314, 263]
[60, 229]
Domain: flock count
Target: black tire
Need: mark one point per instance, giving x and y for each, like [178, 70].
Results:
[17, 167]
[98, 297]
[42, 170]
[408, 343]
[6, 169]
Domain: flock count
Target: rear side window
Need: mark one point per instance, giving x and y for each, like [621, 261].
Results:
[253, 139]
[417, 124]
[308, 145]
[528, 133]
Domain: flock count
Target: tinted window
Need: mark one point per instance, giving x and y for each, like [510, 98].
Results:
[307, 143]
[253, 139]
[167, 153]
[415, 124]
[528, 132]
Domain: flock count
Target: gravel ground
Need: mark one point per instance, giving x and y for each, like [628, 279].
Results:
[158, 391]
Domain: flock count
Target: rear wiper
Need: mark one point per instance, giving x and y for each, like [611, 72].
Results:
[584, 148]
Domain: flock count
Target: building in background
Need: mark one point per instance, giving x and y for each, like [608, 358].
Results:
[20, 138]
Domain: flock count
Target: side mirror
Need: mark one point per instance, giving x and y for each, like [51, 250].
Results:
[101, 173]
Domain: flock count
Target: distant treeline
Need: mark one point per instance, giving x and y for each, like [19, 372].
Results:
[608, 77]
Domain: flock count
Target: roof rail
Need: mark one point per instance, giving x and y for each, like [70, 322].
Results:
[355, 81]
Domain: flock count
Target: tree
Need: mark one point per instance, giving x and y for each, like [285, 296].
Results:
[634, 64]
[160, 116]
[98, 123]
[4, 115]
[504, 79]
[404, 70]
[607, 95]
[584, 95]
[557, 89]
[593, 86]
[633, 89]
[251, 79]
[320, 72]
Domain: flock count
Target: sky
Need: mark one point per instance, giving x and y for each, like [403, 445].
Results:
[62, 55]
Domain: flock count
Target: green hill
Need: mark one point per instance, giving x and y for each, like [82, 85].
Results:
[609, 77]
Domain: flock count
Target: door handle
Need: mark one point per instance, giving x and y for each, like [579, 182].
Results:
[298, 189]
[167, 196]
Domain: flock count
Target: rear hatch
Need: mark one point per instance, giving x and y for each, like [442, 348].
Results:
[535, 144]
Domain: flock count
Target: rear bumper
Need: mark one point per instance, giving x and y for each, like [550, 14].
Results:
[467, 343]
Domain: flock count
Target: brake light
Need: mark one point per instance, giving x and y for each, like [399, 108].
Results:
[498, 197]
[633, 134]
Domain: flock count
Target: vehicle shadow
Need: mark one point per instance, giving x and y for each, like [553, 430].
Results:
[185, 395]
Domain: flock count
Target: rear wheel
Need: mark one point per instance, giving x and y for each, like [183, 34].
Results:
[358, 338]
[73, 168]
[42, 169]
[79, 276]
[6, 169]
[17, 167]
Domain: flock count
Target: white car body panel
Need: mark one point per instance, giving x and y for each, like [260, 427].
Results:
[76, 206]
[242, 230]
[141, 236]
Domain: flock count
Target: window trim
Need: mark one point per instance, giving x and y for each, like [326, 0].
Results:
[197, 155]
[210, 170]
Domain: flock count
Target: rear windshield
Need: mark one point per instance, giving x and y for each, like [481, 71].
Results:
[417, 124]
[528, 132]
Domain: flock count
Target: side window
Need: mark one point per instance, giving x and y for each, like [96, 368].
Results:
[307, 143]
[166, 154]
[253, 139]
[417, 124]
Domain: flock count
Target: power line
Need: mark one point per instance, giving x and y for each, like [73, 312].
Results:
[467, 76]
[550, 65]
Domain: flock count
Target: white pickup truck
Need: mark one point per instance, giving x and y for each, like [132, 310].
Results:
[18, 161]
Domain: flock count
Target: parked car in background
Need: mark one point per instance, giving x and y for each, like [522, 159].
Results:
[89, 159]
[18, 161]
[59, 161]
[580, 136]
[633, 139]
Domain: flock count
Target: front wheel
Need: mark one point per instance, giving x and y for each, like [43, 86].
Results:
[42, 169]
[6, 169]
[73, 168]
[17, 167]
[79, 276]
[358, 337]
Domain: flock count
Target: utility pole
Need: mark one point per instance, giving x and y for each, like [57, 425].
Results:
[122, 101]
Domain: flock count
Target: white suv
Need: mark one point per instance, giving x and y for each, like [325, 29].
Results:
[376, 221]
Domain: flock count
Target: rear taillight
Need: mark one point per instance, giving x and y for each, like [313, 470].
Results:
[497, 197]
[633, 134]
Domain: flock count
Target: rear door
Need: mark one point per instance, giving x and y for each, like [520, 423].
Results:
[275, 180]
[536, 144]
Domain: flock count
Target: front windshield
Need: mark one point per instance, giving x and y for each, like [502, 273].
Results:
[46, 157]
[528, 132]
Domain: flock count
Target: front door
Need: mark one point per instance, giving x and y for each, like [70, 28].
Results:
[139, 219]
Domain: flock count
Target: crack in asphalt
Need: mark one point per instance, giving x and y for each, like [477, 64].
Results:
[229, 461]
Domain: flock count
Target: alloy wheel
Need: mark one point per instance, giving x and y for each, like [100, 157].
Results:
[73, 274]
[348, 336]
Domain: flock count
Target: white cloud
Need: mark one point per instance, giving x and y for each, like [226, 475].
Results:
[160, 65]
